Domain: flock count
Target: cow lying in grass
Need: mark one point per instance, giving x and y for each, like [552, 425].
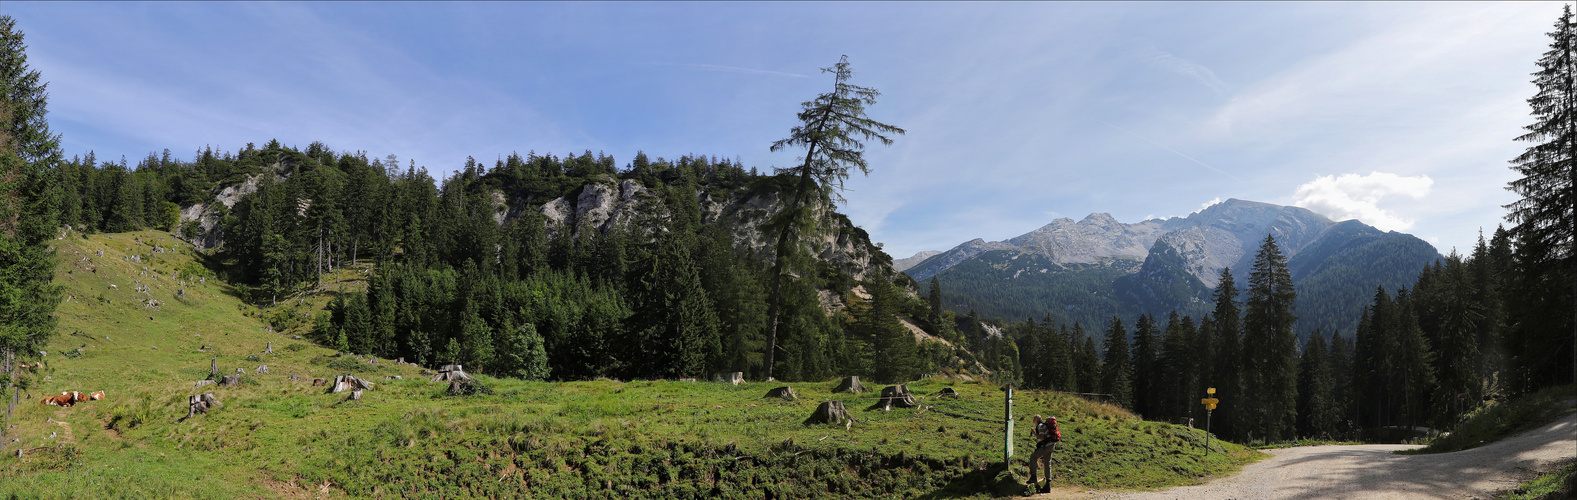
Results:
[71, 398]
[66, 399]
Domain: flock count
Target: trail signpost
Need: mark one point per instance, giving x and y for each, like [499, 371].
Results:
[1210, 407]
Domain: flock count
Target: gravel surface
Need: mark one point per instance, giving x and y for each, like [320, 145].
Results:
[1372, 471]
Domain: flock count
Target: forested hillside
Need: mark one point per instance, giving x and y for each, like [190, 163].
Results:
[537, 267]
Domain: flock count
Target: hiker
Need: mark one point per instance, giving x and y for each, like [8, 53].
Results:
[1046, 435]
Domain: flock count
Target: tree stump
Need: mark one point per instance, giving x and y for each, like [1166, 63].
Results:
[348, 382]
[213, 366]
[230, 380]
[393, 377]
[785, 392]
[201, 383]
[270, 349]
[947, 392]
[830, 412]
[200, 404]
[294, 377]
[450, 373]
[317, 382]
[354, 396]
[734, 378]
[240, 370]
[261, 369]
[895, 395]
[851, 385]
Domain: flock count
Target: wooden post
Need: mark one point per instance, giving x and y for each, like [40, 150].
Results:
[1007, 450]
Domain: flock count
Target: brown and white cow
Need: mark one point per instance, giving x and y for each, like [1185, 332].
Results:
[66, 399]
[97, 395]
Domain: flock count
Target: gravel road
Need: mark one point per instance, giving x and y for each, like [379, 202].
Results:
[1373, 472]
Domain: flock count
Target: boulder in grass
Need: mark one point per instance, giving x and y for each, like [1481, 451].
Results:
[830, 412]
[851, 385]
[784, 392]
[734, 378]
[947, 392]
[230, 381]
[895, 395]
[468, 387]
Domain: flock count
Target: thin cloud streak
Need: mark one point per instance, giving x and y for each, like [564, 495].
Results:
[1174, 151]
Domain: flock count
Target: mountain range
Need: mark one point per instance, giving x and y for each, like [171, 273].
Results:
[1092, 269]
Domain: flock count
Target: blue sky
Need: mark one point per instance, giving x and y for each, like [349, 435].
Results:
[1399, 114]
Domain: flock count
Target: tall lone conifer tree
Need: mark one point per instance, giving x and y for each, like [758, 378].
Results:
[1546, 217]
[833, 128]
[1269, 345]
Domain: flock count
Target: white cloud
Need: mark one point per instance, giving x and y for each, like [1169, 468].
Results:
[1353, 196]
[1207, 204]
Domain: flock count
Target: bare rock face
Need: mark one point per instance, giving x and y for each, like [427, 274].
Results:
[208, 215]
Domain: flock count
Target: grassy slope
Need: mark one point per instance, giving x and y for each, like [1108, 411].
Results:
[660, 439]
[1501, 419]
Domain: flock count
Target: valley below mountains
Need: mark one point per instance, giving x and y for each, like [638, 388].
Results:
[1090, 270]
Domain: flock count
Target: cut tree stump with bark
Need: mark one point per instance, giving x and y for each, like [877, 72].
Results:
[317, 382]
[294, 377]
[348, 382]
[851, 385]
[270, 349]
[784, 392]
[947, 392]
[262, 369]
[735, 378]
[201, 383]
[230, 380]
[450, 373]
[200, 404]
[830, 412]
[895, 395]
[213, 366]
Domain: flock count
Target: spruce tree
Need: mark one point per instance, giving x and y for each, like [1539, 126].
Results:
[1545, 217]
[1089, 363]
[1146, 380]
[29, 204]
[1226, 376]
[1117, 370]
[1270, 346]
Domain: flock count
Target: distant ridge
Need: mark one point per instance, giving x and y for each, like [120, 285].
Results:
[908, 262]
[1094, 268]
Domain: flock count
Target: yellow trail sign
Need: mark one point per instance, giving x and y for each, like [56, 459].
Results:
[1210, 401]
[1210, 406]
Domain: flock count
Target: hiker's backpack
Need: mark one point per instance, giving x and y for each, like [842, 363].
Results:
[1048, 428]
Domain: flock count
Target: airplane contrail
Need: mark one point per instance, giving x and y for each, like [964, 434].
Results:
[1174, 151]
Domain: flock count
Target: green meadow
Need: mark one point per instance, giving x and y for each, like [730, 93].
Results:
[274, 437]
